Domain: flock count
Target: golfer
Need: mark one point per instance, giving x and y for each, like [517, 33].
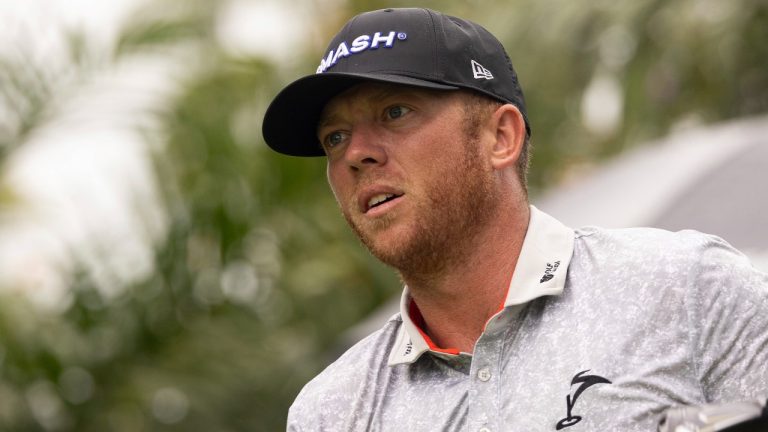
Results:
[509, 320]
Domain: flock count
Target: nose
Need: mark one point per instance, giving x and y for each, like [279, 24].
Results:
[365, 149]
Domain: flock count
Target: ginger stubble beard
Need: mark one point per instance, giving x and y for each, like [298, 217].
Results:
[461, 200]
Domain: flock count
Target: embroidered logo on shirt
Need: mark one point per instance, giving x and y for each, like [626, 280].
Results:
[549, 273]
[408, 348]
[586, 381]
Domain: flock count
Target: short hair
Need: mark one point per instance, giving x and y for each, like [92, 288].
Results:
[477, 108]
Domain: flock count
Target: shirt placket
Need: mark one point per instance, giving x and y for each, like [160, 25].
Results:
[486, 380]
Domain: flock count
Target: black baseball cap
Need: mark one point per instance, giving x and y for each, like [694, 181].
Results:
[416, 47]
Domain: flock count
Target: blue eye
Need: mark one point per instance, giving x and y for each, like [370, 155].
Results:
[397, 111]
[333, 139]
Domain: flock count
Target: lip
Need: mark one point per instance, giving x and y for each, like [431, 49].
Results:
[369, 193]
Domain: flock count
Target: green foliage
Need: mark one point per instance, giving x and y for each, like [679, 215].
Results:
[28, 89]
[257, 275]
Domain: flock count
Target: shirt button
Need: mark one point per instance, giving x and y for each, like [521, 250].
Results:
[484, 429]
[484, 375]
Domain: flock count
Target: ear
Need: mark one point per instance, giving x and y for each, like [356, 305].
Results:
[509, 126]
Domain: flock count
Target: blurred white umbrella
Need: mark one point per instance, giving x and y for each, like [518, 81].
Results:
[710, 179]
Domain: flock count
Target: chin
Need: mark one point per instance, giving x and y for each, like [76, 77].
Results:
[391, 245]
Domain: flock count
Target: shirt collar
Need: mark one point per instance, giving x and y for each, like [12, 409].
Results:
[540, 271]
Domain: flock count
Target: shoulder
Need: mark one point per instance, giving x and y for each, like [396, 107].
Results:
[654, 245]
[325, 402]
[645, 237]
[698, 263]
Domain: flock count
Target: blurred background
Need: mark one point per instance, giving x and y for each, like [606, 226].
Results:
[162, 270]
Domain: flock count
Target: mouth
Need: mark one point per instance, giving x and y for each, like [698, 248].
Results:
[379, 200]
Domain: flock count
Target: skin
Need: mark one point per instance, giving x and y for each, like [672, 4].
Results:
[456, 213]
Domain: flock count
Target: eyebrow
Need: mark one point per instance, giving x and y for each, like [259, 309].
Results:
[321, 120]
[383, 92]
[324, 121]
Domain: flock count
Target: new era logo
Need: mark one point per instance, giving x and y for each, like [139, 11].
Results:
[480, 72]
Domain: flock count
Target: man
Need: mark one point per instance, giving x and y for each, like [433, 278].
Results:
[509, 321]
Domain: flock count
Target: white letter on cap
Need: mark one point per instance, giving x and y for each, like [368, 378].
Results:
[360, 44]
[326, 62]
[389, 39]
[341, 51]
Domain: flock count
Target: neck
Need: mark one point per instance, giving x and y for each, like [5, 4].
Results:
[457, 300]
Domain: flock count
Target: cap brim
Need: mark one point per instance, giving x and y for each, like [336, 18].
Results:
[290, 123]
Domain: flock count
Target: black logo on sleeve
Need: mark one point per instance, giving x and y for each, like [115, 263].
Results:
[586, 381]
[549, 273]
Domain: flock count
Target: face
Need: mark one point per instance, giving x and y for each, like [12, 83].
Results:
[408, 175]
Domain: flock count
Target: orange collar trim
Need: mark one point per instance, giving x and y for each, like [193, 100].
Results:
[418, 320]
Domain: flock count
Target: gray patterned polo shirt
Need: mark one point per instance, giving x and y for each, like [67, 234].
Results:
[601, 330]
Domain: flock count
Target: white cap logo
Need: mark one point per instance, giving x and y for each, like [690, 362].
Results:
[480, 72]
[360, 44]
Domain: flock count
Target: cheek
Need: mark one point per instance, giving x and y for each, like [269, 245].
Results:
[331, 182]
[335, 182]
[444, 151]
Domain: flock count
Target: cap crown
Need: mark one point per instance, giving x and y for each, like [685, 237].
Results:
[424, 44]
[410, 46]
